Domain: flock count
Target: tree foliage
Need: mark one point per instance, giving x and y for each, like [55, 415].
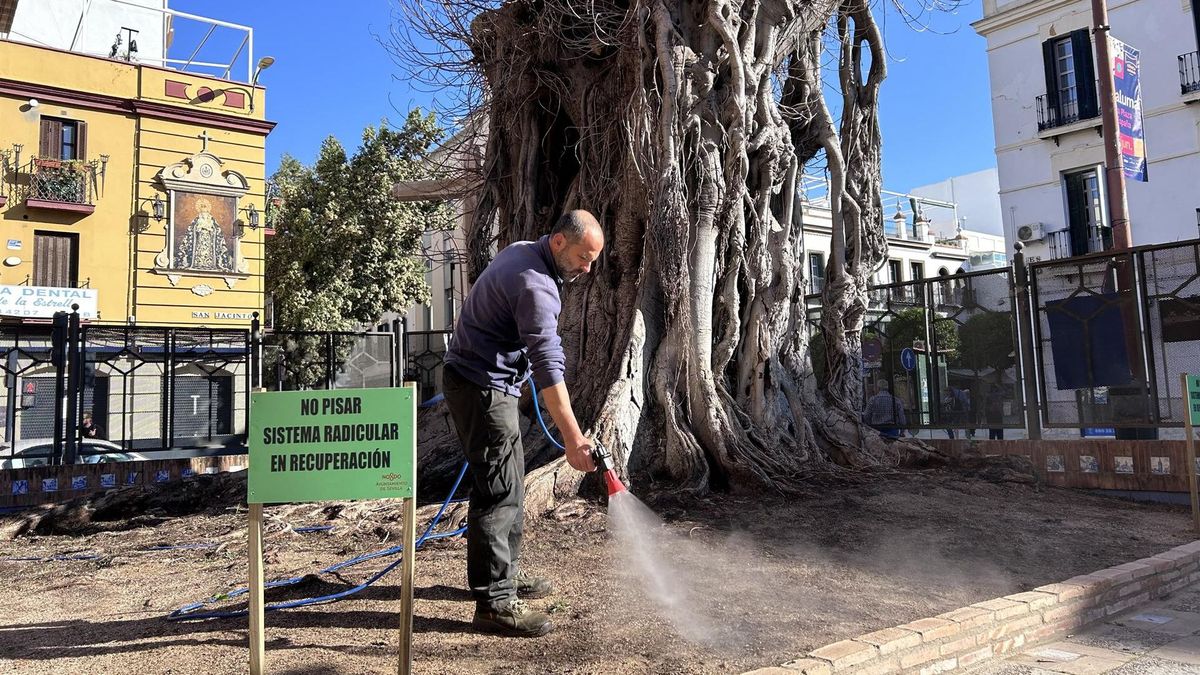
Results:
[987, 342]
[344, 251]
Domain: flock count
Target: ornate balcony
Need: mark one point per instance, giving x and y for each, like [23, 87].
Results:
[60, 185]
[1189, 72]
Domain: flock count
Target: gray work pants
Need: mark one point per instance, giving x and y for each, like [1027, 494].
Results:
[488, 426]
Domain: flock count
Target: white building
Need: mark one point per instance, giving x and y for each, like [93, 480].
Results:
[144, 31]
[925, 237]
[1045, 109]
[104, 28]
[976, 197]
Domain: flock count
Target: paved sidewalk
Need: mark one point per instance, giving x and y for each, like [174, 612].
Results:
[1159, 638]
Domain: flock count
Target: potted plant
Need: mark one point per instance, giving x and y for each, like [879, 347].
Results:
[61, 181]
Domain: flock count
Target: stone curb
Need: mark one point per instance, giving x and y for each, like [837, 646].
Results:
[966, 637]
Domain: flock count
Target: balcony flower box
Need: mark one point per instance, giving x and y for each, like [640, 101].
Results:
[58, 185]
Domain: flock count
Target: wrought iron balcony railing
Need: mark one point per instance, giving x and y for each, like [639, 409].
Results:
[1062, 113]
[67, 185]
[1189, 72]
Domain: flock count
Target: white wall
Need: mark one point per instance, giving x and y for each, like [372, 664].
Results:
[978, 197]
[64, 24]
[1031, 168]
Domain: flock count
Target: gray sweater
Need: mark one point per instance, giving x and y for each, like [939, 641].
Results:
[509, 322]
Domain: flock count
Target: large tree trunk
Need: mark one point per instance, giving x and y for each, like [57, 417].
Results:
[687, 346]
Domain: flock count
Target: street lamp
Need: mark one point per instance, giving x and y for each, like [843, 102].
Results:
[263, 63]
[160, 208]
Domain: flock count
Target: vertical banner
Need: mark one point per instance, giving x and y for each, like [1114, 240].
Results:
[1127, 85]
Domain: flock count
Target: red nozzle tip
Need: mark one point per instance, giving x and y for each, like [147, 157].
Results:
[614, 484]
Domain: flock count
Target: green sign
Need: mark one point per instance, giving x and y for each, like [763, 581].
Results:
[308, 446]
[1193, 399]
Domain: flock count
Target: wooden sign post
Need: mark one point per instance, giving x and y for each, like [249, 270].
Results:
[257, 614]
[1190, 386]
[408, 570]
[310, 446]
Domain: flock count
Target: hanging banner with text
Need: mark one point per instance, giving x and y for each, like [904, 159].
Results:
[1127, 85]
[308, 446]
[43, 302]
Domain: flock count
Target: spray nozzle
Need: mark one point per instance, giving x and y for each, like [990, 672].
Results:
[603, 460]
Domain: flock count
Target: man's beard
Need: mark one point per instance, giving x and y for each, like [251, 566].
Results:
[563, 270]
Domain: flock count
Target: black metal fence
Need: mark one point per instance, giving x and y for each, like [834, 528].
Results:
[1189, 72]
[1109, 334]
[75, 391]
[1101, 344]
[1114, 331]
[945, 348]
[424, 352]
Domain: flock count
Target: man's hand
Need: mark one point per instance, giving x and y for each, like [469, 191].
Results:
[579, 456]
[579, 448]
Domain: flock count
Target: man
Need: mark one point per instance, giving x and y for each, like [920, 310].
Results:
[885, 412]
[509, 326]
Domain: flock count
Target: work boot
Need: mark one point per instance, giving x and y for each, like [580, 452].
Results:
[531, 587]
[516, 619]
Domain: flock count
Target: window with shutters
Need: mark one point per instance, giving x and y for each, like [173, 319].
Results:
[1189, 62]
[1196, 20]
[1070, 81]
[55, 259]
[1085, 212]
[816, 272]
[63, 139]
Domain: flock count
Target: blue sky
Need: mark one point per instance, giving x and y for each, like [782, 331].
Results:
[331, 76]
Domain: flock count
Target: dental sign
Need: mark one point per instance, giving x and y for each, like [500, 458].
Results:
[43, 302]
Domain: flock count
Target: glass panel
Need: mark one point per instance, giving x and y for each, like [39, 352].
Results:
[1067, 92]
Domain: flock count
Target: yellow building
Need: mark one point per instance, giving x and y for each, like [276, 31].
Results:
[132, 186]
[131, 189]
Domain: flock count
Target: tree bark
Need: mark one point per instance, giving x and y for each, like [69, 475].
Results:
[687, 346]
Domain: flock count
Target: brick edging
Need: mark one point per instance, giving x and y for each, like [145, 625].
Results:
[966, 637]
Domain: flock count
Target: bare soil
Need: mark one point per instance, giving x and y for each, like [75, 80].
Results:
[784, 575]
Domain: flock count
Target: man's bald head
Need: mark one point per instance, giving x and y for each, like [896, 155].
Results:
[575, 225]
[576, 242]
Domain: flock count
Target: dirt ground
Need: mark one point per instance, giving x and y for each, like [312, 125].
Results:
[780, 575]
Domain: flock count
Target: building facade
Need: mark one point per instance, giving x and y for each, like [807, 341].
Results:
[129, 188]
[924, 234]
[132, 186]
[1046, 112]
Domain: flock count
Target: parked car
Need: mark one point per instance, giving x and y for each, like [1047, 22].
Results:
[37, 452]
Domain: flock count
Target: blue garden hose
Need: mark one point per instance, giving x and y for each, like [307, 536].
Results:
[148, 549]
[190, 613]
[537, 407]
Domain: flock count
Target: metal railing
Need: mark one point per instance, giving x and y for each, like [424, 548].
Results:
[1108, 333]
[1060, 114]
[945, 349]
[158, 391]
[424, 352]
[1189, 72]
[1059, 243]
[61, 181]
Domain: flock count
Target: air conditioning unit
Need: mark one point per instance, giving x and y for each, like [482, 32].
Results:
[1031, 232]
